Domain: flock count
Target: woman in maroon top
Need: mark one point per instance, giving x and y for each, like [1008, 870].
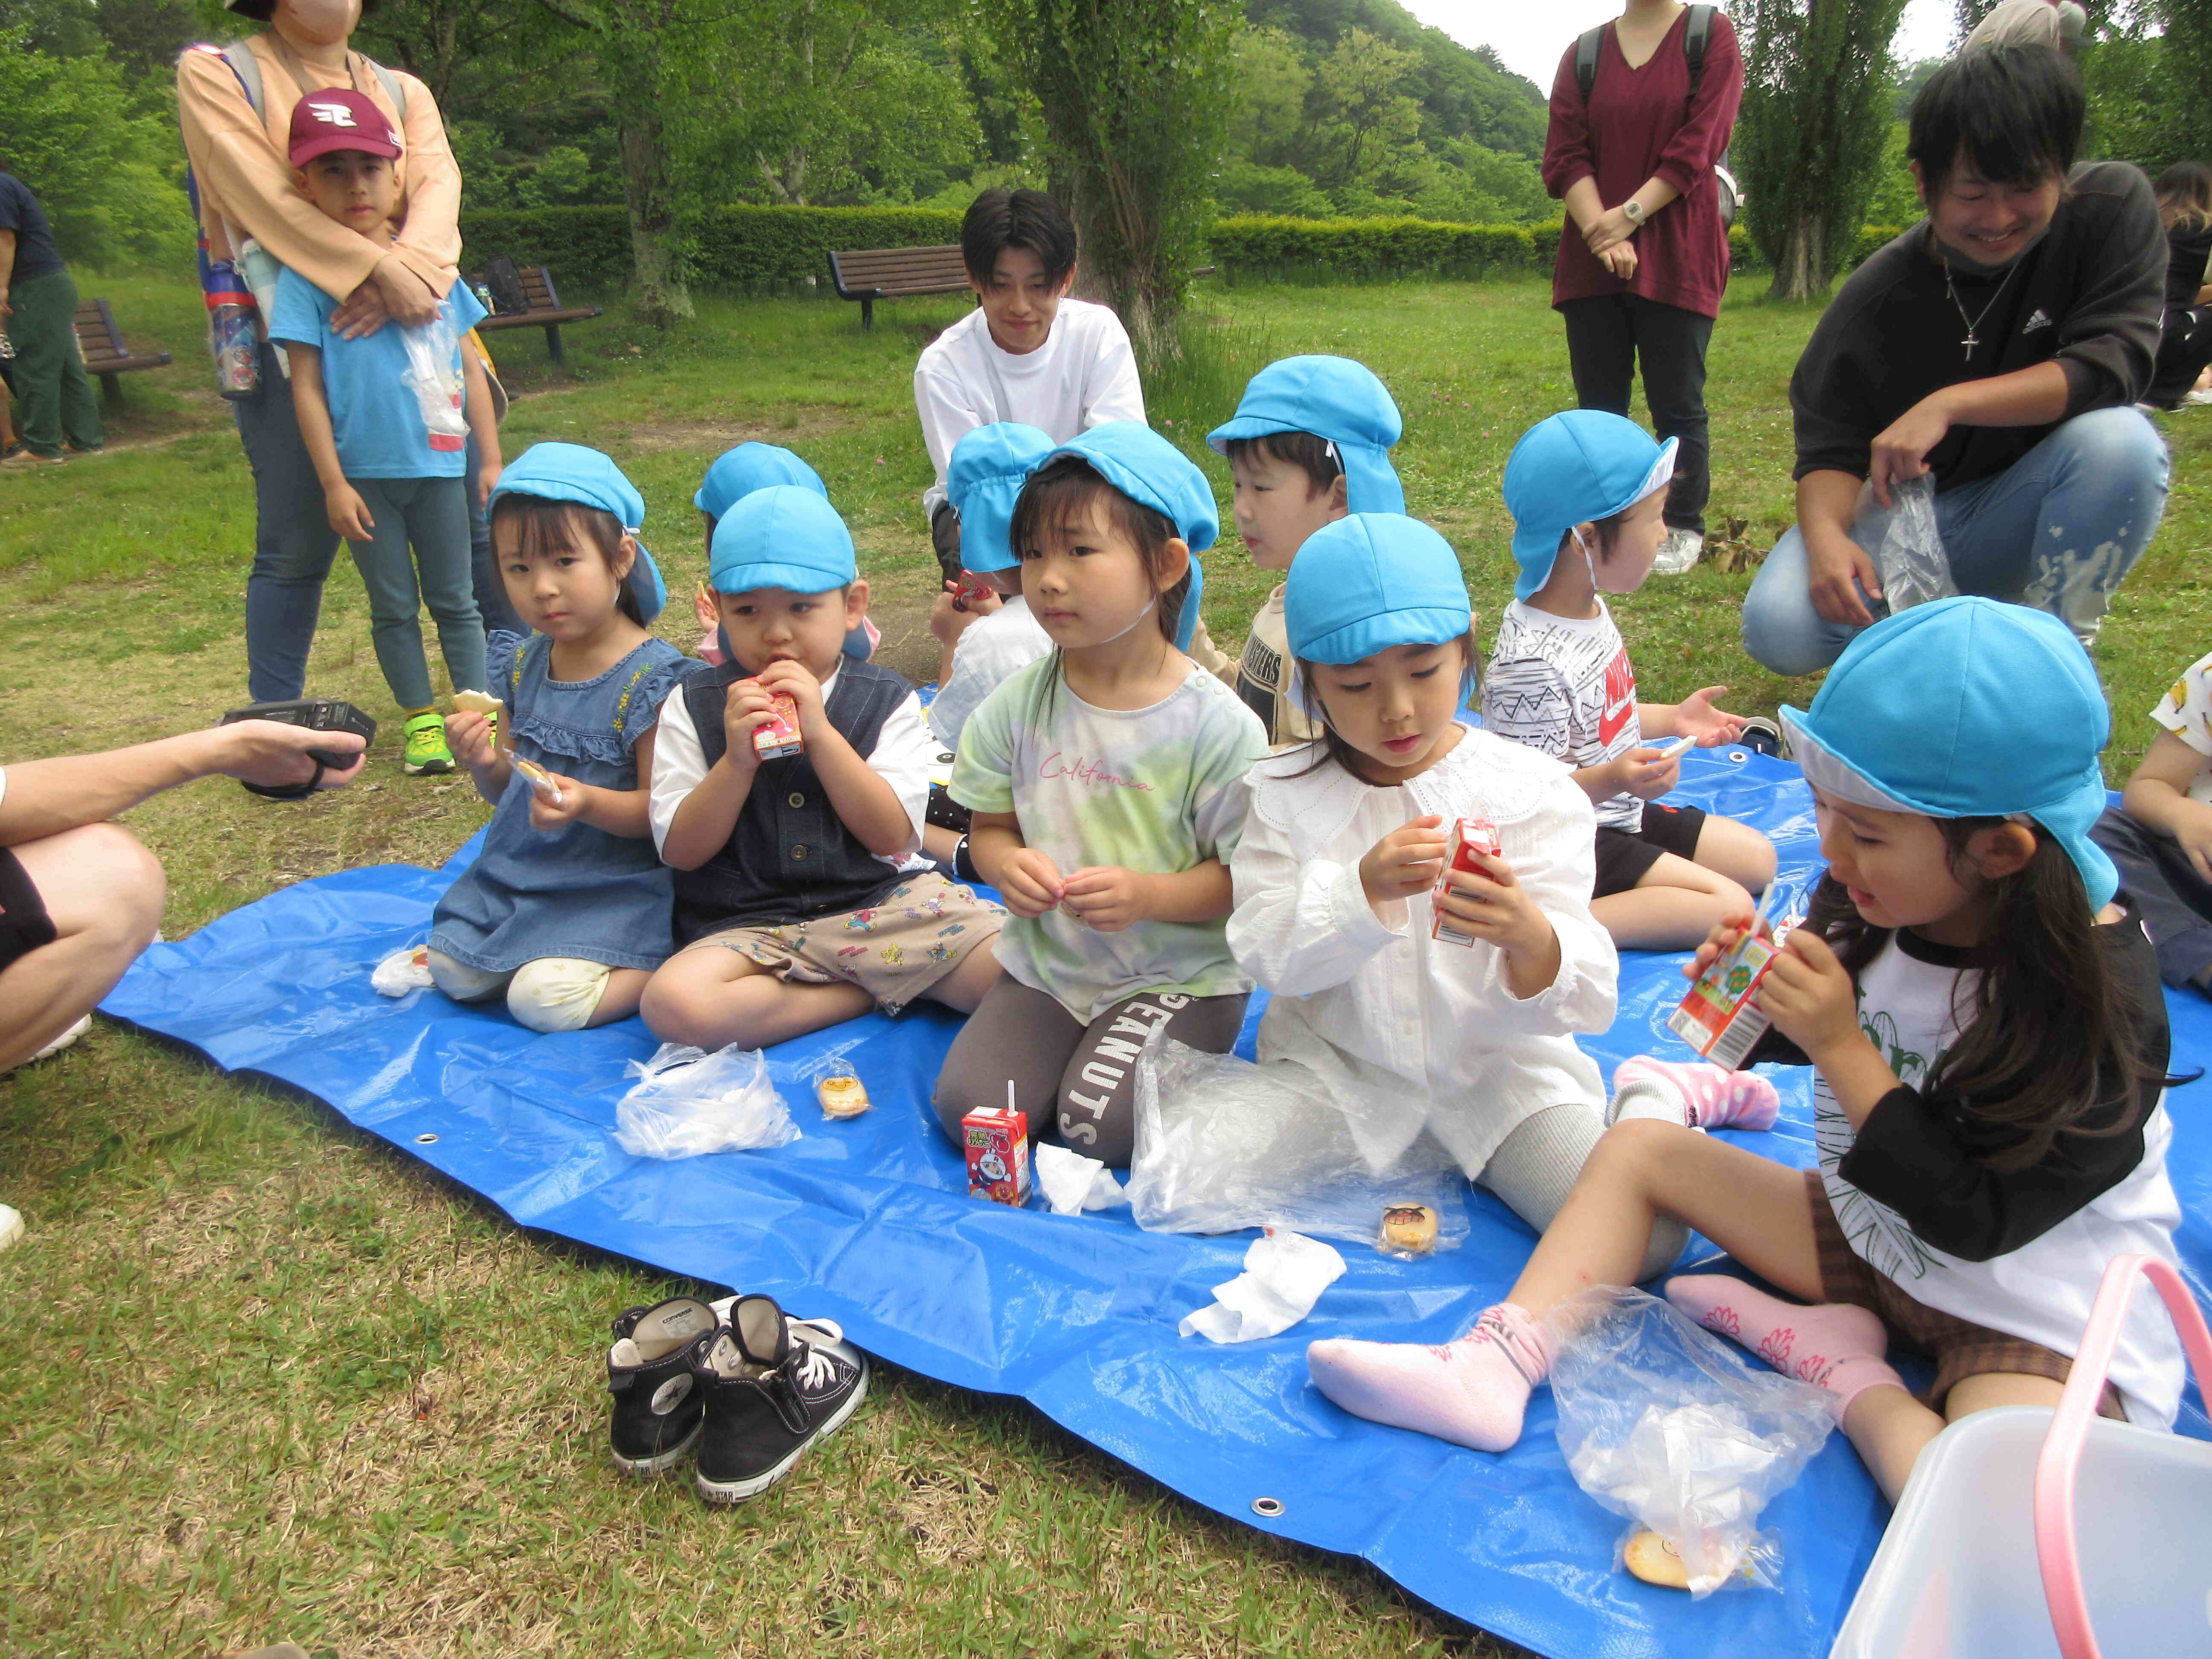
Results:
[1643, 263]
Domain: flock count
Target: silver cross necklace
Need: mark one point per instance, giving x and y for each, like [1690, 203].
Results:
[1974, 323]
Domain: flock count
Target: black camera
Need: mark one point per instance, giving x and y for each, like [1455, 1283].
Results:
[315, 714]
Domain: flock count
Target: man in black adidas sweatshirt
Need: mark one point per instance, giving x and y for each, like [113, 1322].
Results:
[2000, 345]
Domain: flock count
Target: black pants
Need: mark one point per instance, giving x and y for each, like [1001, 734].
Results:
[1607, 337]
[2184, 348]
[2161, 888]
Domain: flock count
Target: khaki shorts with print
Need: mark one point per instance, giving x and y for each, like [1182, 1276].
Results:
[895, 951]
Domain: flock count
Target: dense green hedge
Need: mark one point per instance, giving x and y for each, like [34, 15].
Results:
[588, 248]
[1255, 246]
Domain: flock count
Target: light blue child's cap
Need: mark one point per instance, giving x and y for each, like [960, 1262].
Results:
[784, 536]
[572, 472]
[1966, 708]
[1576, 467]
[1151, 472]
[1370, 581]
[1336, 399]
[983, 480]
[738, 472]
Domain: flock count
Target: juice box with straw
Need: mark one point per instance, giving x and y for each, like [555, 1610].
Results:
[997, 1142]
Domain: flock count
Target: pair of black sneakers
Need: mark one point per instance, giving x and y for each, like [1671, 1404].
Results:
[739, 1382]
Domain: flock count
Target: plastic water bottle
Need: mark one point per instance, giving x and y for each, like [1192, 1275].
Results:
[231, 333]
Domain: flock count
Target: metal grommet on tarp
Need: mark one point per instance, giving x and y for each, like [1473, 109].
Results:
[1267, 1508]
[1738, 756]
[426, 1140]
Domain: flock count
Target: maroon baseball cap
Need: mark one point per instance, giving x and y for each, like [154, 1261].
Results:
[341, 119]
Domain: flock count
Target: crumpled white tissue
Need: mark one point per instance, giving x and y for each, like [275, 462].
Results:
[1284, 1274]
[1073, 1183]
[400, 973]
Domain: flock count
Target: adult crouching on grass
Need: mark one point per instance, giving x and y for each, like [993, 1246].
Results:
[238, 146]
[80, 897]
[1999, 344]
[1637, 128]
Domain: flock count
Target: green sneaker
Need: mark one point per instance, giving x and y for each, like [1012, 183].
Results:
[426, 747]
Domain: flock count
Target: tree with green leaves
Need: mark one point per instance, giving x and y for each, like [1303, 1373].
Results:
[1135, 97]
[1816, 117]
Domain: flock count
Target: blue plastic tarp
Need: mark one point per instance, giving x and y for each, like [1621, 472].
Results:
[868, 1222]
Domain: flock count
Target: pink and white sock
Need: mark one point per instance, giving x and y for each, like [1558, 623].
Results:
[1472, 1392]
[1694, 1092]
[1835, 1346]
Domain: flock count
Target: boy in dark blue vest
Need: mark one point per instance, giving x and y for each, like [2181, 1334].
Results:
[800, 900]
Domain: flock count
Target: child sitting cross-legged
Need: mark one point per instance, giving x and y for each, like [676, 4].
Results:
[792, 908]
[1336, 876]
[1990, 1045]
[1107, 783]
[1309, 442]
[2160, 833]
[1587, 490]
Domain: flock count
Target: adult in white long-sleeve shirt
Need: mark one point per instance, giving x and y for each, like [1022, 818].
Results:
[1334, 880]
[1026, 353]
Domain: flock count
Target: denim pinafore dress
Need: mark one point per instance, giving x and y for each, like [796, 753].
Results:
[576, 891]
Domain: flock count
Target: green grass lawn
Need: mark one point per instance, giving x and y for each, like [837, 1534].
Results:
[271, 1379]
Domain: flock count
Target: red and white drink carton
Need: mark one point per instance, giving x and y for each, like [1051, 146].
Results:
[1721, 1018]
[997, 1139]
[779, 737]
[1469, 838]
[972, 591]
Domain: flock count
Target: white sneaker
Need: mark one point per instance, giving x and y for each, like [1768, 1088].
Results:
[2196, 399]
[1681, 549]
[63, 1041]
[11, 1226]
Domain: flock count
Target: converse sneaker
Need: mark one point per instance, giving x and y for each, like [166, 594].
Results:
[773, 1385]
[1680, 551]
[659, 1409]
[1762, 737]
[425, 752]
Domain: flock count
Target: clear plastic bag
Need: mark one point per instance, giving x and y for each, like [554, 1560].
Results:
[1223, 1144]
[433, 375]
[686, 1102]
[1663, 1422]
[1906, 547]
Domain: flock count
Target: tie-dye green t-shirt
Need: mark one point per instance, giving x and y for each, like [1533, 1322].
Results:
[1155, 790]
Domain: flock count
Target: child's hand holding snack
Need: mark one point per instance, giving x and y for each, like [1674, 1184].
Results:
[555, 802]
[1106, 898]
[1030, 882]
[1646, 774]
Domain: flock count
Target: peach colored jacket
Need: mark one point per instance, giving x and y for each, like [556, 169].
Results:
[245, 178]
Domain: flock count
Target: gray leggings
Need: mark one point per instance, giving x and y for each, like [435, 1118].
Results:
[1534, 1168]
[1084, 1077]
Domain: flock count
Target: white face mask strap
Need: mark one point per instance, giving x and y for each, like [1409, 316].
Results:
[1134, 621]
[1576, 532]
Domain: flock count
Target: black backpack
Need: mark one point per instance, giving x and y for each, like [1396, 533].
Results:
[1694, 39]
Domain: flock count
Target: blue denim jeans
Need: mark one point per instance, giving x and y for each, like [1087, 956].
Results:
[293, 541]
[2059, 530]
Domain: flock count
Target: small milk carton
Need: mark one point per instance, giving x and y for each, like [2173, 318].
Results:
[1468, 836]
[1719, 1017]
[997, 1139]
[779, 737]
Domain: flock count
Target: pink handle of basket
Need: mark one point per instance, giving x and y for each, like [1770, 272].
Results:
[2061, 1458]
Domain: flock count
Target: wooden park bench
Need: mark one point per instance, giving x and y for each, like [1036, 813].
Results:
[105, 353]
[871, 274]
[545, 310]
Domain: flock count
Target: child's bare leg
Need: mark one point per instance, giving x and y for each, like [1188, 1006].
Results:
[1675, 905]
[625, 989]
[1752, 1207]
[1737, 851]
[963, 987]
[713, 998]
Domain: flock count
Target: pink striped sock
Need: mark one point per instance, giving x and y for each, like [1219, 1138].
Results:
[1835, 1346]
